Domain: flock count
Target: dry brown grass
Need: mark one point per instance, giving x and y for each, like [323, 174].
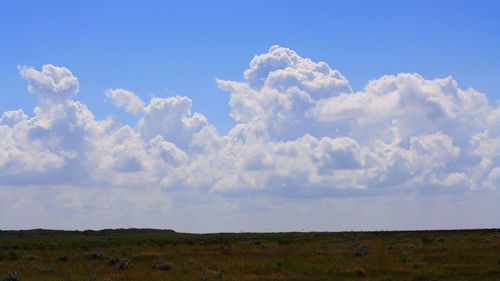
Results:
[455, 255]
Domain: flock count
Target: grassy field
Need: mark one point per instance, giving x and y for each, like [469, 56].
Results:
[144, 254]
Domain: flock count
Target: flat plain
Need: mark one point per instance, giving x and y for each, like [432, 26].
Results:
[148, 254]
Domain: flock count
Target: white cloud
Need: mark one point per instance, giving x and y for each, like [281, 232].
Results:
[282, 69]
[172, 119]
[126, 99]
[302, 132]
[52, 82]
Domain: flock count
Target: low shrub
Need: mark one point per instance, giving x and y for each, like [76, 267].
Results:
[427, 240]
[416, 264]
[63, 258]
[121, 263]
[220, 274]
[321, 252]
[95, 256]
[28, 257]
[10, 276]
[409, 246]
[361, 250]
[162, 265]
[46, 270]
[255, 242]
[278, 266]
[92, 276]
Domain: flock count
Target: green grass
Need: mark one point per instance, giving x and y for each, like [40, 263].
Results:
[406, 255]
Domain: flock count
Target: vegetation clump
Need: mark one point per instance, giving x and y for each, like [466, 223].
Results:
[10, 276]
[95, 256]
[427, 240]
[46, 270]
[278, 266]
[121, 263]
[256, 242]
[409, 246]
[28, 257]
[361, 250]
[161, 265]
[63, 258]
[220, 274]
[416, 264]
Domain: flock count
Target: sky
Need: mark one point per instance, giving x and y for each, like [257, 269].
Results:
[250, 116]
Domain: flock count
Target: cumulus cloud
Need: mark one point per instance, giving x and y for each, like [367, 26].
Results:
[172, 119]
[282, 68]
[125, 99]
[51, 82]
[301, 131]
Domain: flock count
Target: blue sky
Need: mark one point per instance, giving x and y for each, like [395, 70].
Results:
[180, 47]
[250, 116]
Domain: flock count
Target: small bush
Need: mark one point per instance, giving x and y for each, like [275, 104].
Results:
[121, 263]
[220, 274]
[256, 242]
[92, 276]
[46, 270]
[10, 276]
[409, 246]
[278, 266]
[427, 240]
[416, 264]
[361, 250]
[28, 257]
[162, 265]
[321, 252]
[63, 258]
[95, 256]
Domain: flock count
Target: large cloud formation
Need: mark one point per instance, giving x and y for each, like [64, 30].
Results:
[301, 132]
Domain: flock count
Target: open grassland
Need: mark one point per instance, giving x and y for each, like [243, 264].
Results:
[144, 254]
